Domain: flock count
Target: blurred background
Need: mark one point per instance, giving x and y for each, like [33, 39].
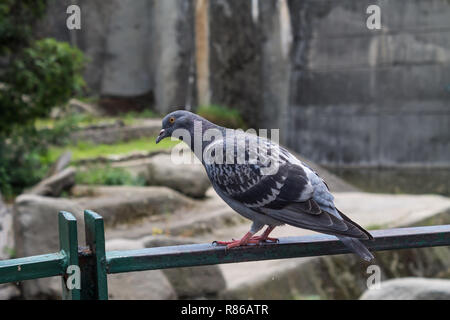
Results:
[84, 85]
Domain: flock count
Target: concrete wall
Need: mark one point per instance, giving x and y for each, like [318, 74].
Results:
[376, 97]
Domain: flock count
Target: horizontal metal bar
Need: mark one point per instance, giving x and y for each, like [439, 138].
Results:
[42, 266]
[290, 247]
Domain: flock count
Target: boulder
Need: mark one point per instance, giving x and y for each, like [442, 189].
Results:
[9, 291]
[78, 106]
[152, 285]
[190, 282]
[410, 289]
[143, 285]
[35, 223]
[60, 164]
[117, 132]
[187, 178]
[56, 184]
[123, 244]
[123, 204]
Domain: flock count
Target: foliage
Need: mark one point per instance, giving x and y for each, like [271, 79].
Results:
[21, 155]
[222, 116]
[16, 18]
[45, 75]
[20, 164]
[108, 176]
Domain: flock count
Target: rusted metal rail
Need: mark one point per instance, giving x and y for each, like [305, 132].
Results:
[95, 263]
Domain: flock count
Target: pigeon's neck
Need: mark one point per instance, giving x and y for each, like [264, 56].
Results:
[201, 134]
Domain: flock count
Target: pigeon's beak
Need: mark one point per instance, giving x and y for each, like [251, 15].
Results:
[162, 135]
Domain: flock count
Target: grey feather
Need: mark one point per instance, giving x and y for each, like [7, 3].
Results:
[357, 247]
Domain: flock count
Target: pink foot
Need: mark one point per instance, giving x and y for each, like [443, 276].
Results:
[235, 243]
[260, 239]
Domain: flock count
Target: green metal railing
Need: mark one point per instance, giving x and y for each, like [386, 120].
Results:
[95, 263]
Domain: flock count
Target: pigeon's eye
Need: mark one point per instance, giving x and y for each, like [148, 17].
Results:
[171, 119]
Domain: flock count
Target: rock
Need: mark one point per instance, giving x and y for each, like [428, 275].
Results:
[62, 162]
[190, 282]
[9, 291]
[121, 204]
[410, 289]
[78, 106]
[152, 285]
[35, 223]
[203, 218]
[123, 244]
[123, 160]
[187, 178]
[54, 185]
[110, 134]
[143, 285]
[75, 106]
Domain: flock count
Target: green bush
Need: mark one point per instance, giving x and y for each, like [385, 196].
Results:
[43, 76]
[20, 164]
[222, 116]
[108, 176]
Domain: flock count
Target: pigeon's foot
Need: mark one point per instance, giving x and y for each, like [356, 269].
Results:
[265, 236]
[247, 239]
[261, 239]
[233, 243]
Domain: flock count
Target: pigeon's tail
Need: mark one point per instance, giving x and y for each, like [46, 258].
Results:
[357, 247]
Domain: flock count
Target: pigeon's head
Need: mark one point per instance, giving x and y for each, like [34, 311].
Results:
[180, 119]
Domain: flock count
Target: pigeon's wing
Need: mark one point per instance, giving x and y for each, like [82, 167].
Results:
[285, 194]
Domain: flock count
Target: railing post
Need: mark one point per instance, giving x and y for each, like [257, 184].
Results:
[68, 241]
[94, 285]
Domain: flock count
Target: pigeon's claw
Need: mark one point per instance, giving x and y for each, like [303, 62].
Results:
[261, 239]
[223, 243]
[236, 243]
[247, 239]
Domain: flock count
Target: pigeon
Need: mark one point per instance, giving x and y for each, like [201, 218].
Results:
[263, 182]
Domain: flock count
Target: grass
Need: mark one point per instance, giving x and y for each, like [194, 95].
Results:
[222, 116]
[84, 120]
[87, 150]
